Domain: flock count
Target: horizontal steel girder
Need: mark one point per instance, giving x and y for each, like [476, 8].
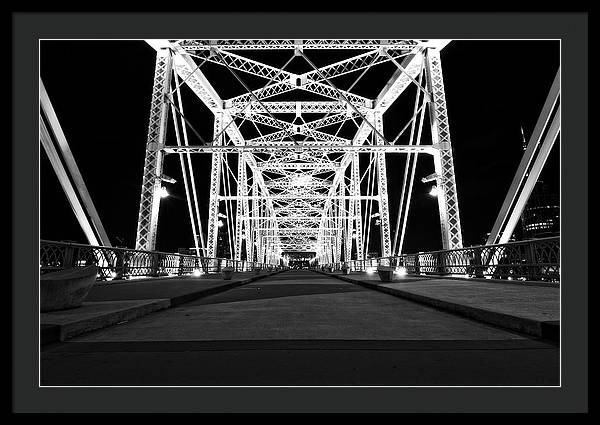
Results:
[306, 146]
[231, 44]
[294, 197]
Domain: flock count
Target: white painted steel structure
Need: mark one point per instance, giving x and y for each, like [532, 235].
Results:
[290, 174]
[61, 158]
[542, 139]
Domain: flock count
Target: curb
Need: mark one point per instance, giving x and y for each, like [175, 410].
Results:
[549, 330]
[51, 333]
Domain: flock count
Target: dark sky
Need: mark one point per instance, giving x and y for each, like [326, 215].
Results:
[101, 92]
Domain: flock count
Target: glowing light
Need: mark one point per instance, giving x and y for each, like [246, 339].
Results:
[163, 192]
[434, 191]
[221, 224]
[196, 272]
[113, 274]
[400, 271]
[301, 180]
[371, 270]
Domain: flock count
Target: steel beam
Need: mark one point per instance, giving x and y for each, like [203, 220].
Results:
[444, 164]
[63, 178]
[153, 163]
[382, 193]
[215, 184]
[530, 167]
[94, 224]
[305, 147]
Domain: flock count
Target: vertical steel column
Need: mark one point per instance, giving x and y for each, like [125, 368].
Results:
[444, 164]
[259, 231]
[246, 208]
[384, 213]
[153, 164]
[338, 224]
[241, 183]
[215, 184]
[255, 221]
[360, 255]
[350, 219]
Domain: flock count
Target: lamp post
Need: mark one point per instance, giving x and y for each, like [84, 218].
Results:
[434, 191]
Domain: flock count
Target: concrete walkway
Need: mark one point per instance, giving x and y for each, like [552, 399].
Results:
[121, 301]
[532, 308]
[301, 328]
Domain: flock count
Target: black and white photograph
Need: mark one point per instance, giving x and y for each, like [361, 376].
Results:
[300, 212]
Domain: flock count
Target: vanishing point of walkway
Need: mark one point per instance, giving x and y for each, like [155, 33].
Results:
[301, 328]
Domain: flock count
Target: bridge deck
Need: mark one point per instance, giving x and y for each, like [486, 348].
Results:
[531, 307]
[301, 328]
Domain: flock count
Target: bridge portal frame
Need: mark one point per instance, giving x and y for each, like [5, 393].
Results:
[258, 217]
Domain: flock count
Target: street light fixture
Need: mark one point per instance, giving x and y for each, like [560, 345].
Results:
[434, 191]
[163, 192]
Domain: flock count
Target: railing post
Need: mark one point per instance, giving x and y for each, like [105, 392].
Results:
[154, 264]
[119, 261]
[531, 258]
[477, 263]
[68, 257]
[126, 260]
[441, 262]
[181, 265]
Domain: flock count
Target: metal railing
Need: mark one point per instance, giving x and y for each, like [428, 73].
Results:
[123, 263]
[535, 259]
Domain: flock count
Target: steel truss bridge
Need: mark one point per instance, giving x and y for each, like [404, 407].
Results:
[295, 175]
[298, 185]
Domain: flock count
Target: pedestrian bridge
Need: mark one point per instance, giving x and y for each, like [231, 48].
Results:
[299, 161]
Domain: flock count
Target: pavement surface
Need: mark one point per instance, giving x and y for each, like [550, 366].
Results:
[531, 308]
[300, 328]
[121, 301]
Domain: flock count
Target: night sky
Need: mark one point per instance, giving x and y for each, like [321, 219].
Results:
[101, 93]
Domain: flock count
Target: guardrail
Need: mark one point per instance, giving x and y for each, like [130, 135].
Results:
[123, 263]
[535, 259]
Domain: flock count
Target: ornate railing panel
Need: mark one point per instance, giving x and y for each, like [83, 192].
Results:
[123, 263]
[536, 260]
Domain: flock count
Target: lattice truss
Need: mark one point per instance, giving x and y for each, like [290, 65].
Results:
[299, 160]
